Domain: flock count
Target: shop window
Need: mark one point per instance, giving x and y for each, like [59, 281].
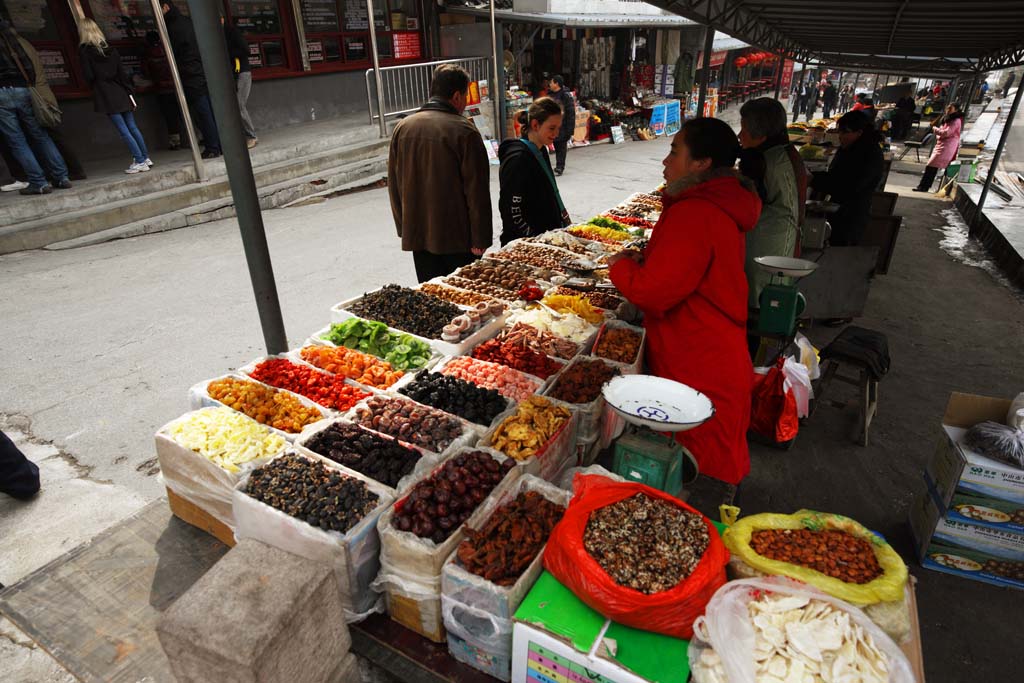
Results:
[123, 19]
[355, 48]
[37, 22]
[261, 23]
[337, 31]
[260, 17]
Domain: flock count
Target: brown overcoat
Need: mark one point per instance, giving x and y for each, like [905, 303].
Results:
[439, 182]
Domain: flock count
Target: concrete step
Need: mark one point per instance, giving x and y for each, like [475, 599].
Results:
[351, 176]
[191, 203]
[174, 169]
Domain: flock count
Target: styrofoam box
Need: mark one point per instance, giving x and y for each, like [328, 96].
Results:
[199, 397]
[340, 313]
[423, 466]
[354, 556]
[197, 479]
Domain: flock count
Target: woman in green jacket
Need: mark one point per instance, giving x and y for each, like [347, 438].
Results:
[778, 172]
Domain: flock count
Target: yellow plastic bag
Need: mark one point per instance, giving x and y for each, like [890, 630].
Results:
[886, 588]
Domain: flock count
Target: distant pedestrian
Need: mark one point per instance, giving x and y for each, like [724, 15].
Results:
[845, 95]
[947, 141]
[30, 145]
[19, 476]
[238, 53]
[529, 201]
[828, 100]
[112, 90]
[557, 92]
[157, 68]
[193, 80]
[439, 180]
[984, 89]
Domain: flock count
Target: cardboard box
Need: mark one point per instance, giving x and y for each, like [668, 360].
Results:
[931, 524]
[974, 565]
[558, 638]
[955, 466]
[987, 512]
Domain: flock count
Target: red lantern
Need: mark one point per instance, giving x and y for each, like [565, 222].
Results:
[740, 62]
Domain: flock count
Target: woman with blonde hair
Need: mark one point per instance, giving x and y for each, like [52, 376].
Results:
[112, 90]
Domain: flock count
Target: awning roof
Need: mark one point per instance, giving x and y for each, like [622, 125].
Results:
[579, 20]
[939, 37]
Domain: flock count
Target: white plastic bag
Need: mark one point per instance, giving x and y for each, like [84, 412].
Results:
[798, 381]
[726, 628]
[808, 356]
[1015, 416]
[485, 631]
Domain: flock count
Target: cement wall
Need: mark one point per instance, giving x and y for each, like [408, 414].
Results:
[272, 104]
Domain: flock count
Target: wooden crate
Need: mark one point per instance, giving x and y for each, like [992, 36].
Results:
[199, 518]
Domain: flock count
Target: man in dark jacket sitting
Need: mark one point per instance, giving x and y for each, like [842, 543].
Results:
[193, 79]
[557, 92]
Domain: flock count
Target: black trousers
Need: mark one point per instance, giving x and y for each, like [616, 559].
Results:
[19, 477]
[429, 266]
[928, 178]
[561, 145]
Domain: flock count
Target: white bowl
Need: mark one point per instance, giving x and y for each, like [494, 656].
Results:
[784, 265]
[658, 403]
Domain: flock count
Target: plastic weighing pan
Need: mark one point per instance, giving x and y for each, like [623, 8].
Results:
[658, 403]
[784, 265]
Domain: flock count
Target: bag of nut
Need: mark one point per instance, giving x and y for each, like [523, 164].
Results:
[638, 556]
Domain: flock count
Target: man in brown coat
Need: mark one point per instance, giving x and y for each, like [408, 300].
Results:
[439, 180]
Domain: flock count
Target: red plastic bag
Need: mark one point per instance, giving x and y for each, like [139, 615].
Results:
[669, 612]
[773, 411]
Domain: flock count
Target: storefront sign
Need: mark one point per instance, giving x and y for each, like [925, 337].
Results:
[55, 67]
[407, 45]
[717, 59]
[673, 117]
[787, 79]
[256, 16]
[617, 136]
[255, 56]
[315, 49]
[658, 119]
[319, 16]
[356, 16]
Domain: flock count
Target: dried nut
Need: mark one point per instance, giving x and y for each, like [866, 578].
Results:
[832, 552]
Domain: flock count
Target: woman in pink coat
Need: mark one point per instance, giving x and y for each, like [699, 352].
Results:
[947, 135]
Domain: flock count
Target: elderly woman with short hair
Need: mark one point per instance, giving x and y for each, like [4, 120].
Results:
[781, 180]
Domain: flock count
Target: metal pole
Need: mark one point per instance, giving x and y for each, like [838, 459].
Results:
[76, 9]
[970, 94]
[874, 88]
[300, 32]
[495, 82]
[778, 76]
[995, 158]
[221, 83]
[179, 90]
[705, 73]
[376, 69]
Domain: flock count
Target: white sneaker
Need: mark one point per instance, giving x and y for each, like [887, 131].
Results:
[148, 162]
[13, 187]
[137, 168]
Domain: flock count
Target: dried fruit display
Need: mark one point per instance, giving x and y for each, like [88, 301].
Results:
[355, 365]
[456, 396]
[506, 275]
[581, 382]
[506, 381]
[406, 309]
[529, 337]
[401, 350]
[599, 234]
[595, 297]
[630, 220]
[466, 324]
[525, 432]
[571, 303]
[413, 423]
[566, 325]
[610, 224]
[562, 240]
[438, 505]
[455, 296]
[834, 553]
[539, 257]
[619, 344]
[517, 356]
[264, 404]
[510, 540]
[312, 492]
[646, 544]
[379, 458]
[797, 638]
[225, 437]
[327, 390]
[485, 288]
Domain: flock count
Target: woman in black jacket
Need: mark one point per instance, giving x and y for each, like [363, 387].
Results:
[854, 175]
[112, 90]
[529, 201]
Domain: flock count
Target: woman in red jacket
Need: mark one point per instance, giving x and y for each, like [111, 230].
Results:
[692, 289]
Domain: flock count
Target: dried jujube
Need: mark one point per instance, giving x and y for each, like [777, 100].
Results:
[411, 422]
[382, 459]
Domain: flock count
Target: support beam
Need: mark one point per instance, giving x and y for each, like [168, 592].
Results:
[221, 84]
[990, 176]
[705, 72]
[496, 92]
[179, 90]
[381, 118]
[300, 32]
[778, 76]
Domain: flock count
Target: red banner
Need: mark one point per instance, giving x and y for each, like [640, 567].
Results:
[717, 58]
[787, 79]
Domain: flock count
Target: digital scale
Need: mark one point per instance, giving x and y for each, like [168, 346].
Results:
[650, 406]
[780, 300]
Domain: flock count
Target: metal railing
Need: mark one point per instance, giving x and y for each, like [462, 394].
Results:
[407, 87]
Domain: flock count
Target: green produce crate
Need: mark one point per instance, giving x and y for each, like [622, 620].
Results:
[650, 459]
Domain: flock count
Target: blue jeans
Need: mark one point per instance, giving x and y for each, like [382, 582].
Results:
[202, 110]
[130, 133]
[29, 143]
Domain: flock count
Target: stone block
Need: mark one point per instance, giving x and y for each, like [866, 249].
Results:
[260, 615]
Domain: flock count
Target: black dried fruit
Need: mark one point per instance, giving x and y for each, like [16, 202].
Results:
[407, 310]
[456, 396]
[380, 458]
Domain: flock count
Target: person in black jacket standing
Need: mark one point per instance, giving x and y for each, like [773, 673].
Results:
[828, 100]
[112, 90]
[238, 53]
[854, 175]
[529, 201]
[563, 97]
[193, 80]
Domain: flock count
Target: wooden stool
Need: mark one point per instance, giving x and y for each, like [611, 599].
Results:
[867, 352]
